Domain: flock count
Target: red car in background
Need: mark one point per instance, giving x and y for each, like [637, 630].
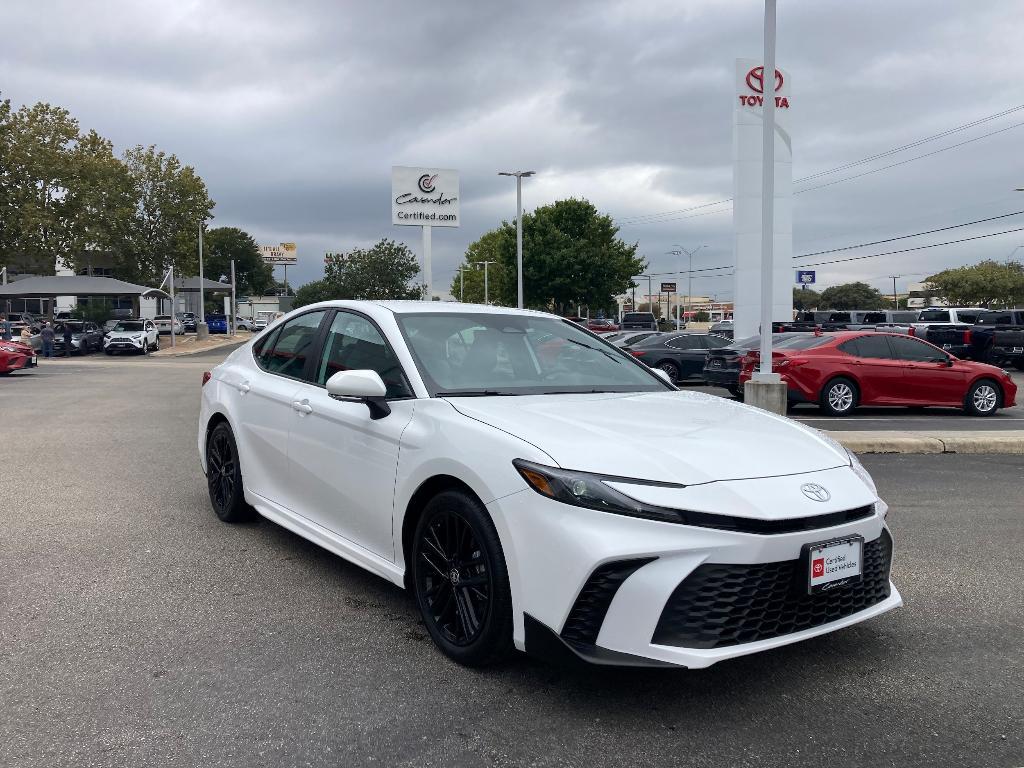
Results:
[840, 371]
[15, 356]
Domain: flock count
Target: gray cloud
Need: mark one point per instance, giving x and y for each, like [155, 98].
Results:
[294, 113]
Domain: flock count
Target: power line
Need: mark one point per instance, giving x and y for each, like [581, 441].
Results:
[651, 218]
[904, 237]
[918, 248]
[908, 160]
[913, 144]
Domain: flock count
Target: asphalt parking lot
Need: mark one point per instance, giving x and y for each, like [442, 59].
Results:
[138, 630]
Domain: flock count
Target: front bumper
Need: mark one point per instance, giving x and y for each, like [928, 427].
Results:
[123, 345]
[606, 588]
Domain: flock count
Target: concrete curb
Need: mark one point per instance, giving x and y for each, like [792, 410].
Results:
[167, 352]
[1009, 442]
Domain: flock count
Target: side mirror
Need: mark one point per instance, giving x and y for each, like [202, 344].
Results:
[365, 386]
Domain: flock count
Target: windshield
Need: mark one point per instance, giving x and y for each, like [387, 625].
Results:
[128, 327]
[493, 354]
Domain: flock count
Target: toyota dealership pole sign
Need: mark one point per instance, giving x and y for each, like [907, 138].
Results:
[748, 100]
[425, 197]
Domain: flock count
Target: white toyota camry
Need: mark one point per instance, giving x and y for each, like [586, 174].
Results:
[536, 488]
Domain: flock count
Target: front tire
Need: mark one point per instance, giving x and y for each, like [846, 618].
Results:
[984, 398]
[839, 397]
[461, 580]
[224, 476]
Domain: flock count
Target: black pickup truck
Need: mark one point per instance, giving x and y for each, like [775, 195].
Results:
[998, 338]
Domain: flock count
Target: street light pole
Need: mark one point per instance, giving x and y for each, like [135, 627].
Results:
[519, 229]
[679, 251]
[201, 329]
[487, 299]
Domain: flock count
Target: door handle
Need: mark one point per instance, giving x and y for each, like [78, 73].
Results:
[244, 387]
[302, 407]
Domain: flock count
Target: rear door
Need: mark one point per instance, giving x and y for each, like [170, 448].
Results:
[928, 379]
[871, 362]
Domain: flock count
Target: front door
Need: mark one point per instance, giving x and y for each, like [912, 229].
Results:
[344, 461]
[880, 376]
[928, 378]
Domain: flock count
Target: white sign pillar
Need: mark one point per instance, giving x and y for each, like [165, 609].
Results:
[428, 270]
[748, 155]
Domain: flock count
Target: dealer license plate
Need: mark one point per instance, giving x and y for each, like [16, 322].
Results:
[1018, 350]
[834, 564]
[35, 360]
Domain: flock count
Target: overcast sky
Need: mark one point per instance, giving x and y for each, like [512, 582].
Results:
[294, 113]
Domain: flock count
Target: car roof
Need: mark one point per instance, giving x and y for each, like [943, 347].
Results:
[440, 307]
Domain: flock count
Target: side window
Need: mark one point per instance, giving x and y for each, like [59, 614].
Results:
[851, 347]
[293, 345]
[906, 348]
[875, 347]
[264, 347]
[687, 342]
[354, 344]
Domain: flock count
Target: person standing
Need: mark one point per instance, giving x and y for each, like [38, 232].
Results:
[5, 327]
[68, 335]
[47, 336]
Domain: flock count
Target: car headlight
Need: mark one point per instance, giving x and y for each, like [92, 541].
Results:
[10, 349]
[862, 473]
[583, 489]
[137, 337]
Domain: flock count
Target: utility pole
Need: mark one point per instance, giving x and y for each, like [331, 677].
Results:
[487, 299]
[520, 175]
[895, 301]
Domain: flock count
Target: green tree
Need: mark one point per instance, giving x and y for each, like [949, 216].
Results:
[385, 271]
[571, 255]
[223, 245]
[311, 293]
[170, 203]
[805, 299]
[486, 249]
[851, 296]
[37, 170]
[984, 284]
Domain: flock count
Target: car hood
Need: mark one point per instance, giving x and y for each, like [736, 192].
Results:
[677, 437]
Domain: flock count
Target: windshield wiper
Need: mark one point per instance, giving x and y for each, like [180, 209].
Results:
[579, 392]
[476, 393]
[604, 352]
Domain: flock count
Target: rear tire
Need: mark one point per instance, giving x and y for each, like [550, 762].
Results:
[460, 580]
[984, 398]
[671, 369]
[839, 397]
[224, 476]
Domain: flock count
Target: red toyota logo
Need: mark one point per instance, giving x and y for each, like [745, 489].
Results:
[755, 80]
[818, 567]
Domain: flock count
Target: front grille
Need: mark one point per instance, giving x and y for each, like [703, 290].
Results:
[591, 606]
[721, 605]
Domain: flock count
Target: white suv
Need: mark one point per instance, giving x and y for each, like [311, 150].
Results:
[132, 336]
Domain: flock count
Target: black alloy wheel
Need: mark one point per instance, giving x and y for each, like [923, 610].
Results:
[671, 369]
[461, 581]
[224, 476]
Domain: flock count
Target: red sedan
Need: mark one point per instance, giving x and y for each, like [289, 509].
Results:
[15, 356]
[840, 371]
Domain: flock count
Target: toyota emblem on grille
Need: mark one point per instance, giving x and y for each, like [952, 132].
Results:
[815, 492]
